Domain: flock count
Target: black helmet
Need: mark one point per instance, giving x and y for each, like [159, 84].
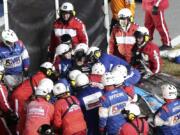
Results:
[66, 39]
[46, 130]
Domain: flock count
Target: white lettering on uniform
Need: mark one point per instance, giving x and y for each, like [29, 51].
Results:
[36, 111]
[115, 96]
[125, 40]
[60, 32]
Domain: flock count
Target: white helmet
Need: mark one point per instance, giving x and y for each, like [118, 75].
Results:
[67, 6]
[119, 79]
[9, 36]
[61, 49]
[124, 13]
[45, 86]
[133, 108]
[73, 74]
[59, 88]
[169, 91]
[81, 46]
[143, 31]
[121, 69]
[82, 80]
[48, 65]
[92, 50]
[108, 79]
[98, 69]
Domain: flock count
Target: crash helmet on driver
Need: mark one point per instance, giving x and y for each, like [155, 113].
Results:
[82, 80]
[45, 87]
[169, 91]
[98, 69]
[9, 37]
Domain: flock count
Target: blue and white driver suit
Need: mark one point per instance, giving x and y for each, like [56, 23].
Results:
[110, 117]
[15, 59]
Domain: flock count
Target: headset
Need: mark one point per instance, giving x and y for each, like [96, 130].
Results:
[49, 72]
[146, 38]
[74, 13]
[97, 54]
[131, 116]
[131, 19]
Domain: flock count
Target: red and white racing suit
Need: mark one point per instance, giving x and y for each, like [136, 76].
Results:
[121, 42]
[75, 28]
[140, 124]
[156, 21]
[150, 55]
[68, 116]
[39, 112]
[21, 96]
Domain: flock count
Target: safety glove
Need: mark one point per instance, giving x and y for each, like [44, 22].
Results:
[155, 10]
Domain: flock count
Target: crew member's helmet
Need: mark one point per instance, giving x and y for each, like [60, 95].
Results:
[9, 37]
[169, 91]
[98, 69]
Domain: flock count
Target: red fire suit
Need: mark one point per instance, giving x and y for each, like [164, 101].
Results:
[128, 129]
[68, 116]
[39, 112]
[4, 108]
[152, 56]
[156, 21]
[121, 42]
[21, 95]
[75, 27]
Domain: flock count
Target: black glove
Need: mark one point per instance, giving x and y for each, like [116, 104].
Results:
[25, 73]
[11, 118]
[155, 10]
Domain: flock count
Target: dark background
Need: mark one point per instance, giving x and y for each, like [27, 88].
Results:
[32, 21]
